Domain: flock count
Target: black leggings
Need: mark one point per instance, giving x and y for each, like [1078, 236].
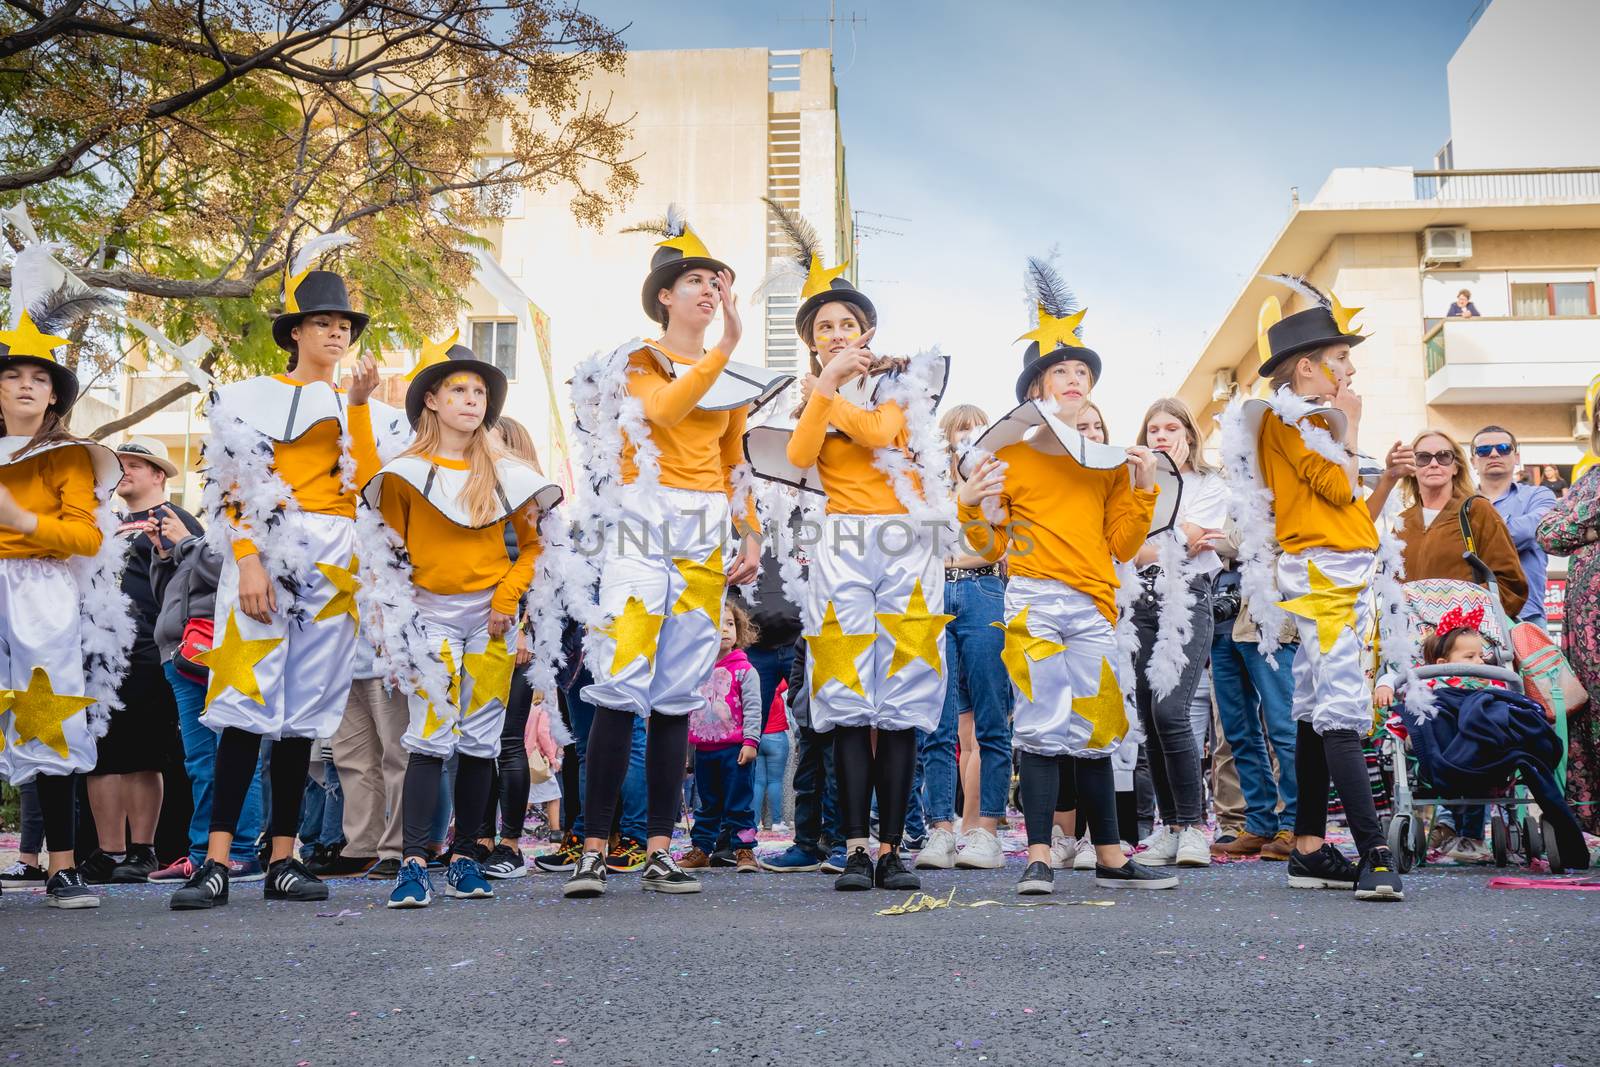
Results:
[58, 806]
[859, 772]
[420, 802]
[509, 793]
[237, 754]
[1337, 756]
[1096, 799]
[606, 764]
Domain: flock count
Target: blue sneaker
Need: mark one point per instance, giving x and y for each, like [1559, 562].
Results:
[413, 888]
[834, 864]
[465, 881]
[790, 861]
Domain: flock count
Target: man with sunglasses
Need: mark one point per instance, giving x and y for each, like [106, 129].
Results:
[1495, 457]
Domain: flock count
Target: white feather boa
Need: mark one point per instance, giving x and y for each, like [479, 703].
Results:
[106, 626]
[1250, 507]
[743, 480]
[563, 585]
[926, 455]
[1175, 602]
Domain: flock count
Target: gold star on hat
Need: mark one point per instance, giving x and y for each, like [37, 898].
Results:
[38, 713]
[635, 632]
[232, 662]
[1342, 315]
[833, 654]
[1022, 646]
[26, 340]
[433, 352]
[704, 584]
[819, 278]
[490, 671]
[1332, 607]
[1105, 710]
[687, 243]
[345, 583]
[1053, 332]
[916, 633]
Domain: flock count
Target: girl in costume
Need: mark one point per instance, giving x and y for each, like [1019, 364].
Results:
[726, 733]
[65, 631]
[874, 599]
[1062, 510]
[286, 455]
[659, 424]
[447, 500]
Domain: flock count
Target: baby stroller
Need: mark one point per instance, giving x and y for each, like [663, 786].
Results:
[1519, 779]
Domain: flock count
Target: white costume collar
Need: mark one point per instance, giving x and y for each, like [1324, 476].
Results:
[519, 485]
[107, 467]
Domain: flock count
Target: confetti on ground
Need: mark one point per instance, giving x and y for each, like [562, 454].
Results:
[923, 902]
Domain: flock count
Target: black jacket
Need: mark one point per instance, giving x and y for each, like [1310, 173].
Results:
[185, 583]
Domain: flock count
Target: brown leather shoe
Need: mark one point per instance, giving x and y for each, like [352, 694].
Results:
[694, 860]
[1246, 844]
[745, 861]
[1279, 847]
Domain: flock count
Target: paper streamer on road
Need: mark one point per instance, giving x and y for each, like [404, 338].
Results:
[1589, 885]
[923, 902]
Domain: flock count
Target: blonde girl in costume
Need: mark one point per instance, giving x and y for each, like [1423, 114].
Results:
[448, 499]
[286, 455]
[1043, 500]
[52, 486]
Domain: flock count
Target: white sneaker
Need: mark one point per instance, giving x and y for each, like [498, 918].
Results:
[981, 852]
[782, 829]
[1063, 847]
[939, 854]
[1192, 848]
[1160, 849]
[1084, 858]
[1467, 850]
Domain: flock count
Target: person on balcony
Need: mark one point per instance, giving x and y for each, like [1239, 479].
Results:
[1463, 307]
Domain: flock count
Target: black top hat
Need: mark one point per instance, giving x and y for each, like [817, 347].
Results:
[458, 358]
[1034, 365]
[838, 289]
[1055, 339]
[1304, 331]
[681, 251]
[315, 292]
[29, 344]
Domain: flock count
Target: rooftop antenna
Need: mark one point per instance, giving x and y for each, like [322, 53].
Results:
[833, 19]
[868, 229]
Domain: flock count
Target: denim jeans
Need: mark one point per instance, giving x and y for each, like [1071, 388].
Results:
[322, 812]
[199, 760]
[916, 825]
[725, 815]
[1465, 819]
[444, 806]
[816, 809]
[772, 666]
[772, 761]
[631, 820]
[1249, 692]
[976, 681]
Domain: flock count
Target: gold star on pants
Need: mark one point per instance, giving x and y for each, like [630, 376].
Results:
[916, 632]
[431, 722]
[7, 696]
[704, 584]
[38, 712]
[232, 662]
[490, 671]
[345, 583]
[1332, 607]
[635, 631]
[833, 654]
[1022, 646]
[1106, 711]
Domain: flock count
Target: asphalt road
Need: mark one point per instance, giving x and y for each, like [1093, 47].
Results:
[1232, 967]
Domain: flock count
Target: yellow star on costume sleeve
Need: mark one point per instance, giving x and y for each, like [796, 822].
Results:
[345, 583]
[1331, 607]
[431, 722]
[833, 654]
[916, 633]
[1052, 332]
[704, 584]
[1106, 710]
[26, 340]
[635, 631]
[38, 711]
[433, 352]
[820, 278]
[232, 662]
[1021, 646]
[490, 671]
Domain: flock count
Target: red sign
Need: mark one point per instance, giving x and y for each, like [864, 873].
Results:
[1555, 599]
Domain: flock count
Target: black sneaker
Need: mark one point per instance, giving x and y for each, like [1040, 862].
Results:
[505, 861]
[23, 874]
[1133, 875]
[1326, 868]
[333, 863]
[1378, 879]
[384, 870]
[663, 875]
[1037, 881]
[289, 880]
[892, 873]
[724, 857]
[137, 866]
[857, 873]
[588, 878]
[66, 889]
[97, 869]
[563, 858]
[440, 861]
[207, 887]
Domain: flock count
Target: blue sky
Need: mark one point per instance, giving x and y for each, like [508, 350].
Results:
[1154, 143]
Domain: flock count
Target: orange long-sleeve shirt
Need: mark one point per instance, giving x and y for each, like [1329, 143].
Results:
[1066, 522]
[699, 449]
[854, 486]
[310, 467]
[1311, 495]
[58, 487]
[447, 558]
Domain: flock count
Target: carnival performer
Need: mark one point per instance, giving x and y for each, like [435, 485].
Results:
[874, 598]
[65, 630]
[1061, 509]
[286, 455]
[659, 425]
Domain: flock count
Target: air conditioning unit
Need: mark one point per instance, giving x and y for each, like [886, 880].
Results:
[1446, 244]
[1222, 385]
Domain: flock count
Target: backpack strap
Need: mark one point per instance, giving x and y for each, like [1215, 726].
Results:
[1466, 521]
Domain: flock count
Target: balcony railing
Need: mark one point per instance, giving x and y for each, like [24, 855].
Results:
[1434, 342]
[1543, 183]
